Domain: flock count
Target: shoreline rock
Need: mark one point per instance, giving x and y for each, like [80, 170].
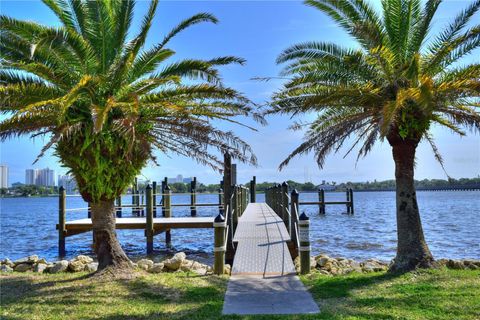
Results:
[322, 263]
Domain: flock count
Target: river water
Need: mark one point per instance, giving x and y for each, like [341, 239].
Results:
[450, 220]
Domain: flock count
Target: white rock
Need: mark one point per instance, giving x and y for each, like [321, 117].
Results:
[227, 269]
[8, 262]
[84, 259]
[145, 264]
[42, 260]
[194, 266]
[91, 267]
[59, 266]
[174, 263]
[76, 266]
[40, 267]
[156, 268]
[5, 268]
[21, 260]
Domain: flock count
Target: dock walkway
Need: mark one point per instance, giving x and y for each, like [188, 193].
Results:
[263, 277]
[159, 224]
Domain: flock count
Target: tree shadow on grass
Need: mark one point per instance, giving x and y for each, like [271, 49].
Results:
[326, 287]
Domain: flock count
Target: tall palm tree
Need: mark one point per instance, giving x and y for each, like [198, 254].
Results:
[107, 103]
[397, 85]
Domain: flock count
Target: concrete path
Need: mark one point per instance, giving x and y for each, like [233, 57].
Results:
[263, 277]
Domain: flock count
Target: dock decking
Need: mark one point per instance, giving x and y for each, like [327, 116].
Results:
[263, 277]
[159, 224]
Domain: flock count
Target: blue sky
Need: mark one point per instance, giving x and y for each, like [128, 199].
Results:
[258, 31]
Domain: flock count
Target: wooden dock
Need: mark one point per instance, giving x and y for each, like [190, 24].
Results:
[263, 277]
[159, 224]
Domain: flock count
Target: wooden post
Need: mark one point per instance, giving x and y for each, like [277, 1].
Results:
[294, 212]
[61, 221]
[119, 206]
[253, 190]
[321, 199]
[167, 204]
[284, 199]
[219, 244]
[304, 249]
[220, 200]
[227, 192]
[154, 188]
[149, 224]
[89, 210]
[235, 208]
[164, 185]
[142, 208]
[348, 201]
[133, 199]
[227, 179]
[193, 197]
[278, 192]
[136, 198]
[351, 201]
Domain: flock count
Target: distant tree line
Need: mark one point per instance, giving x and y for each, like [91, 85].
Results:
[419, 184]
[26, 190]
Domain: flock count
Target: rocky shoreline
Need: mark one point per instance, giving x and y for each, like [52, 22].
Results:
[179, 262]
[82, 263]
[340, 266]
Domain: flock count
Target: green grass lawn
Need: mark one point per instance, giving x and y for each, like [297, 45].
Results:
[436, 294]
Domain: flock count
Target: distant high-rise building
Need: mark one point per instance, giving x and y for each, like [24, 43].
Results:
[68, 182]
[46, 177]
[3, 176]
[31, 176]
[40, 177]
[187, 180]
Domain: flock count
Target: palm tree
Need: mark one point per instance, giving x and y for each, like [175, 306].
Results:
[396, 86]
[106, 102]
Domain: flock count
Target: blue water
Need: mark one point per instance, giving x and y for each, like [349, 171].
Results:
[450, 220]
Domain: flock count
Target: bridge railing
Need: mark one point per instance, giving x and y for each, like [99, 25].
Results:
[286, 206]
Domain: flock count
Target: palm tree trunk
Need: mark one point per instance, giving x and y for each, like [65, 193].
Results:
[412, 250]
[108, 249]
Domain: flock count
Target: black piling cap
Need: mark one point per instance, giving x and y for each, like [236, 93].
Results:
[294, 191]
[167, 187]
[303, 216]
[219, 218]
[149, 186]
[61, 189]
[284, 184]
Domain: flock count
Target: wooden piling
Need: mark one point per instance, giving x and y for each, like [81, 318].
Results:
[236, 208]
[284, 203]
[164, 185]
[61, 220]
[154, 196]
[193, 197]
[348, 201]
[227, 192]
[294, 207]
[219, 244]
[167, 205]
[149, 222]
[321, 199]
[119, 207]
[351, 201]
[304, 237]
[89, 210]
[220, 200]
[253, 190]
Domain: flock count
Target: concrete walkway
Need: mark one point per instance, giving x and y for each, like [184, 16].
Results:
[263, 277]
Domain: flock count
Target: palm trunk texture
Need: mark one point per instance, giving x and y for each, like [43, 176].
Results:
[412, 250]
[108, 249]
